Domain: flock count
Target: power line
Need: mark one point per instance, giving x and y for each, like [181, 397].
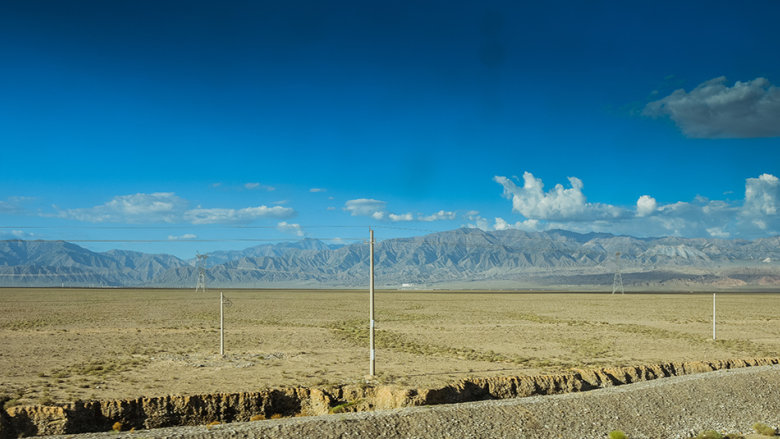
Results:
[173, 227]
[193, 240]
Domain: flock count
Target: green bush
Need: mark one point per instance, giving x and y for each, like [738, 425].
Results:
[345, 407]
[617, 434]
[709, 434]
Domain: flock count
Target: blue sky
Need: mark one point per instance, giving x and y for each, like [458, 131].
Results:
[208, 125]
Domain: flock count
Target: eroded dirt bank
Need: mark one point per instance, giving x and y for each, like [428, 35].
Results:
[176, 410]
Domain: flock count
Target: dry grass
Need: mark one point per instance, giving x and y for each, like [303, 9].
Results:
[764, 429]
[63, 345]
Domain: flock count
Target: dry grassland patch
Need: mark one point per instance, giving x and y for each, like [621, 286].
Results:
[65, 344]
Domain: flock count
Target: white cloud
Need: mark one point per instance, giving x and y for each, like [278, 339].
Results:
[17, 234]
[169, 208]
[438, 216]
[558, 204]
[501, 224]
[479, 223]
[762, 195]
[530, 225]
[317, 189]
[255, 185]
[758, 215]
[377, 210]
[762, 202]
[718, 232]
[135, 208]
[13, 205]
[365, 207]
[6, 207]
[286, 227]
[183, 237]
[219, 215]
[646, 205]
[714, 110]
[402, 217]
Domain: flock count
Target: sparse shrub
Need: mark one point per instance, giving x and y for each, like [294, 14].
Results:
[341, 408]
[709, 434]
[345, 407]
[117, 426]
[257, 418]
[11, 403]
[617, 434]
[764, 429]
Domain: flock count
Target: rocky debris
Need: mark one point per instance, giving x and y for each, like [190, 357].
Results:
[177, 410]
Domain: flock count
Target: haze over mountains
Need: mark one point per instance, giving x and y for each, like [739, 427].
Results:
[462, 258]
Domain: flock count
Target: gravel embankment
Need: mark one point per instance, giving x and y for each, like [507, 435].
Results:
[677, 407]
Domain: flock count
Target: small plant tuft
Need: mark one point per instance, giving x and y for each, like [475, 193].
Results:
[764, 429]
[709, 434]
[11, 403]
[344, 407]
[257, 418]
[117, 426]
[276, 416]
[617, 434]
[212, 424]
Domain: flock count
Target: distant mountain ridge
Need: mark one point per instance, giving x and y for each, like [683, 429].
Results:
[51, 263]
[457, 258]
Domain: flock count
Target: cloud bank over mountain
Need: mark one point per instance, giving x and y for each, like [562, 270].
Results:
[568, 208]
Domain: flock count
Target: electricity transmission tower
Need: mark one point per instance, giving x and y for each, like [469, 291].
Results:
[201, 264]
[617, 281]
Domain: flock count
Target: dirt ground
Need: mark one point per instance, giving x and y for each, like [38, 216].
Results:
[59, 345]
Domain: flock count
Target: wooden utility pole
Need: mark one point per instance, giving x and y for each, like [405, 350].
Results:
[713, 317]
[221, 325]
[371, 368]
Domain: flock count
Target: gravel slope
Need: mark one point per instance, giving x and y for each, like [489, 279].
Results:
[678, 407]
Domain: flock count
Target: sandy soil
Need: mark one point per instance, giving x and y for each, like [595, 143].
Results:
[61, 345]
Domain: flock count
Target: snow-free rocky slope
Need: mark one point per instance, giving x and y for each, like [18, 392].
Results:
[466, 258]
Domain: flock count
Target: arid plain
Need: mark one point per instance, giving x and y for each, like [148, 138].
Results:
[60, 345]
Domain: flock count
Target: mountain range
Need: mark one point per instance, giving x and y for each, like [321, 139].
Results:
[462, 258]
